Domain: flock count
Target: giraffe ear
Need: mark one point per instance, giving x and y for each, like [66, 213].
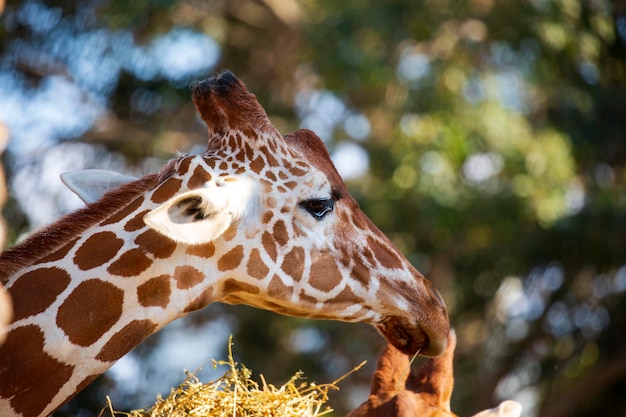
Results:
[194, 217]
[91, 184]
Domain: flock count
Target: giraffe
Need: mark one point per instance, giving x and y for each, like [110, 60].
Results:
[257, 219]
[397, 391]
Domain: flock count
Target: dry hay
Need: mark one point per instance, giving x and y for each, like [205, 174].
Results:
[235, 394]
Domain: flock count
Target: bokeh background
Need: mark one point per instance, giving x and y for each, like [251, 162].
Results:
[486, 138]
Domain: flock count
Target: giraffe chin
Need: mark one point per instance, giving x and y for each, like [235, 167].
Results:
[410, 339]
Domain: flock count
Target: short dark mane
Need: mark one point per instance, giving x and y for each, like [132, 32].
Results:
[61, 232]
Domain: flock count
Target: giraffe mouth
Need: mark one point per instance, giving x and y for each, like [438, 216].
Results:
[410, 339]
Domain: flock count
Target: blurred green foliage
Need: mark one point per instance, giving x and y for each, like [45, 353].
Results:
[497, 163]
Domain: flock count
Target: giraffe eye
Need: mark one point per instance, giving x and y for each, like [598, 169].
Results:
[318, 208]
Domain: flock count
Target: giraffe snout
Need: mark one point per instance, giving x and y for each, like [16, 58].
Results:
[421, 324]
[428, 338]
[434, 321]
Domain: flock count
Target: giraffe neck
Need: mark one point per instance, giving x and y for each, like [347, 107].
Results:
[95, 287]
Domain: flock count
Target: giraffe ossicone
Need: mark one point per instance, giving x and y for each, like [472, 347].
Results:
[258, 219]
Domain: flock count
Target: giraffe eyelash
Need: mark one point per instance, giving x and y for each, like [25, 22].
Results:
[318, 207]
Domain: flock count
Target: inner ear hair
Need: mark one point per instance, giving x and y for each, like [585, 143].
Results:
[192, 206]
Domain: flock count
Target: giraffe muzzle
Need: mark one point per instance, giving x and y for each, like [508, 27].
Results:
[410, 339]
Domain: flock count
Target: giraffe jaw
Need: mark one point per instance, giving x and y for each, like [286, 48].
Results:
[410, 339]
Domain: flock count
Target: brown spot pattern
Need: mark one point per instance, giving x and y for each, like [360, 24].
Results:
[199, 178]
[360, 221]
[166, 190]
[155, 292]
[293, 264]
[306, 299]
[346, 257]
[267, 216]
[248, 151]
[97, 250]
[271, 202]
[230, 233]
[369, 256]
[122, 214]
[361, 272]
[269, 245]
[271, 161]
[231, 259]
[257, 165]
[156, 244]
[278, 289]
[325, 274]
[250, 133]
[130, 264]
[205, 250]
[255, 267]
[297, 172]
[183, 168]
[34, 291]
[136, 222]
[233, 286]
[90, 311]
[125, 340]
[271, 176]
[33, 377]
[384, 254]
[187, 276]
[200, 301]
[343, 300]
[280, 233]
[232, 142]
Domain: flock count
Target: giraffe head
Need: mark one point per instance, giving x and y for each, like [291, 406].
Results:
[286, 233]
